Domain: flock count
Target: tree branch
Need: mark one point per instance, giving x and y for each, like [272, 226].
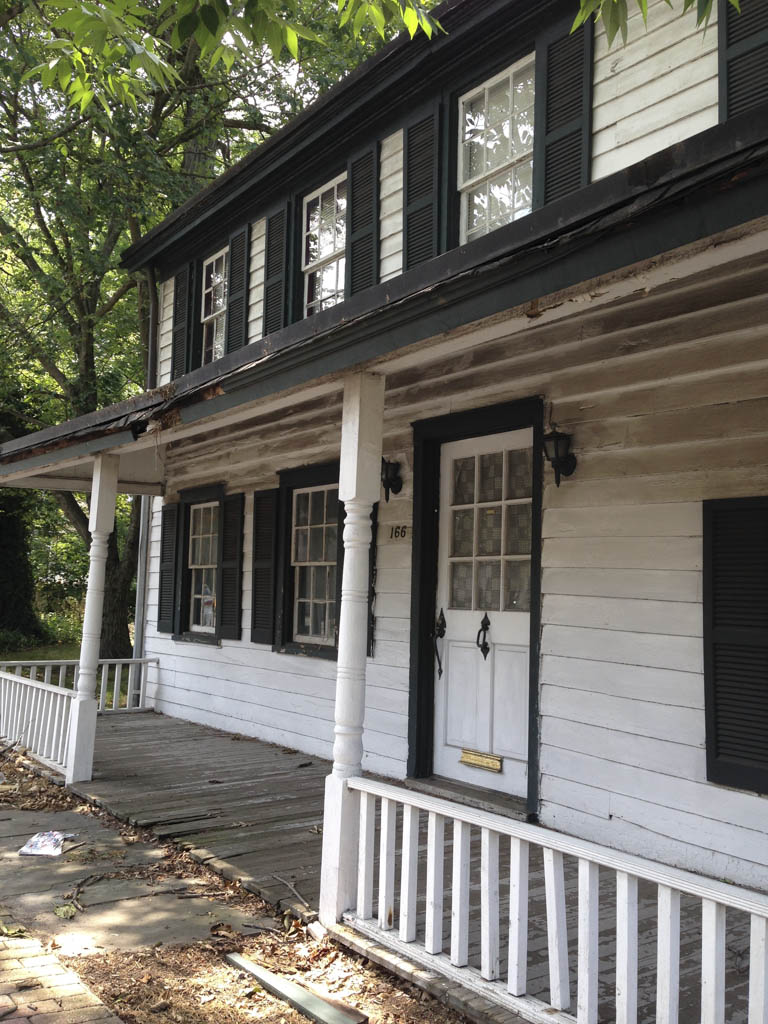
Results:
[111, 302]
[42, 143]
[74, 513]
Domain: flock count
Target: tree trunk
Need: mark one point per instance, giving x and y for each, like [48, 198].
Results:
[118, 603]
[17, 585]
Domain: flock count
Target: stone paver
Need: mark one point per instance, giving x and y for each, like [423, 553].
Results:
[36, 988]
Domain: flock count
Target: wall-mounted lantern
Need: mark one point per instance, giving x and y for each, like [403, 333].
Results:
[391, 480]
[557, 448]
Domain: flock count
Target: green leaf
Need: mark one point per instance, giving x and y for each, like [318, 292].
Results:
[292, 42]
[187, 26]
[210, 18]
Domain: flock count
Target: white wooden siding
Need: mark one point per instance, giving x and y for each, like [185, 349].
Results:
[666, 393]
[656, 91]
[256, 285]
[165, 332]
[391, 208]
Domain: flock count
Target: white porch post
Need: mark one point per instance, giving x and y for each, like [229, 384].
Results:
[359, 489]
[82, 723]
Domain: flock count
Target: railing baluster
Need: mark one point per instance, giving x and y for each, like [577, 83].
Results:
[365, 856]
[433, 929]
[33, 673]
[409, 869]
[626, 948]
[668, 958]
[557, 933]
[489, 904]
[387, 864]
[117, 686]
[517, 981]
[63, 676]
[712, 962]
[758, 970]
[589, 930]
[48, 673]
[104, 684]
[460, 895]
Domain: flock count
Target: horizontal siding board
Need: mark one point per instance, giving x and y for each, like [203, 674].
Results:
[654, 650]
[636, 616]
[669, 687]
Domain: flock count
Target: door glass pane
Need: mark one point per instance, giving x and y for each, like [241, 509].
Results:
[463, 481]
[461, 585]
[519, 474]
[489, 530]
[463, 530]
[517, 586]
[488, 586]
[518, 532]
[491, 468]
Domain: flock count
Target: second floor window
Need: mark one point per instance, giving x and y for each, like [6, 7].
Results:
[323, 246]
[495, 172]
[214, 311]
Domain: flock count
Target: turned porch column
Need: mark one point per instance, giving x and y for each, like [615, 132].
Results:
[82, 723]
[359, 489]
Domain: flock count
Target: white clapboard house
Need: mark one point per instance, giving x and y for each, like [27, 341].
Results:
[495, 308]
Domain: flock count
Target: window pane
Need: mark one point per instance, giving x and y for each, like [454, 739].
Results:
[519, 474]
[316, 544]
[331, 542]
[302, 546]
[316, 507]
[331, 506]
[332, 584]
[318, 620]
[501, 200]
[304, 581]
[461, 586]
[463, 532]
[464, 481]
[523, 189]
[488, 586]
[302, 618]
[489, 530]
[491, 471]
[302, 509]
[517, 586]
[319, 582]
[518, 532]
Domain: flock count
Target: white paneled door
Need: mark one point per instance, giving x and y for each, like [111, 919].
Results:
[483, 606]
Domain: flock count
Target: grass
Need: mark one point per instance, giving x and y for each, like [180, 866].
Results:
[47, 652]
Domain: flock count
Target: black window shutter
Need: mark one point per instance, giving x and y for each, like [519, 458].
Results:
[563, 112]
[736, 641]
[363, 220]
[231, 567]
[182, 321]
[166, 599]
[237, 290]
[276, 271]
[264, 545]
[743, 50]
[422, 190]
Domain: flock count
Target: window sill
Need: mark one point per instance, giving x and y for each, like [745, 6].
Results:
[310, 650]
[197, 638]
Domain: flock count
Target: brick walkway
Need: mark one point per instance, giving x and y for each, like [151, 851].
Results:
[35, 987]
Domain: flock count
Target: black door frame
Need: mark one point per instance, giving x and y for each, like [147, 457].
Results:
[428, 438]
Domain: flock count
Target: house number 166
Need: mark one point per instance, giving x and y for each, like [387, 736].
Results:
[398, 532]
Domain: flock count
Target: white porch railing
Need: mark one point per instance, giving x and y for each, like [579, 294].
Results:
[122, 682]
[36, 715]
[592, 887]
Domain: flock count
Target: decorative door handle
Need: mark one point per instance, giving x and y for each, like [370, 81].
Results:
[438, 634]
[484, 646]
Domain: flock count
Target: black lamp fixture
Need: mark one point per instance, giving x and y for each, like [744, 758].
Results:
[391, 480]
[557, 448]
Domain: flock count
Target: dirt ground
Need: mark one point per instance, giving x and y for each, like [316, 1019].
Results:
[194, 984]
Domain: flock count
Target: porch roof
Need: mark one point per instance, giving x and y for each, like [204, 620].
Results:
[684, 195]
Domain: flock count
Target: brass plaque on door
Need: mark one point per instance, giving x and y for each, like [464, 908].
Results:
[477, 759]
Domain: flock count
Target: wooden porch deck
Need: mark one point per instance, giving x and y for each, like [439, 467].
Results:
[253, 812]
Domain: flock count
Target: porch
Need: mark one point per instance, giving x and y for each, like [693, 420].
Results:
[253, 812]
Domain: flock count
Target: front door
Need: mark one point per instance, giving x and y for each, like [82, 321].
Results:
[483, 606]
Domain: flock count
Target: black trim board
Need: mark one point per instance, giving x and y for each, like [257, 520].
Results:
[428, 437]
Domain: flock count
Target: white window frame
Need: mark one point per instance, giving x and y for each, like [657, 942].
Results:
[221, 313]
[337, 255]
[192, 566]
[466, 187]
[296, 566]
